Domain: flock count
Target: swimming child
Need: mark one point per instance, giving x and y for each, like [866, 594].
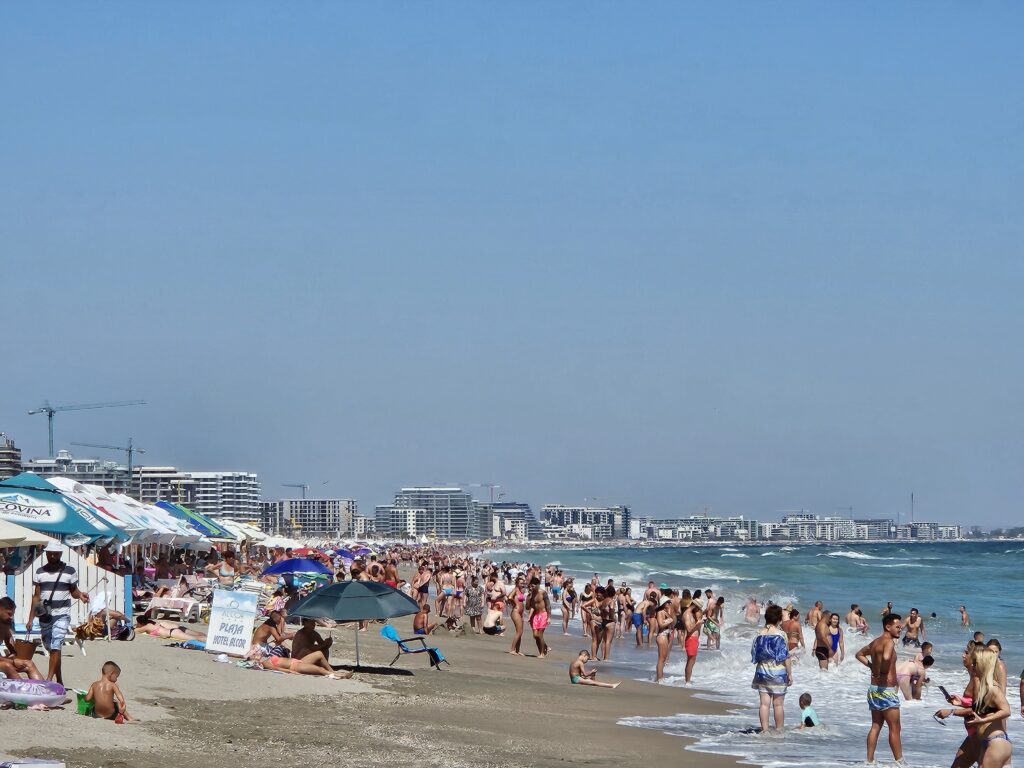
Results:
[106, 697]
[808, 717]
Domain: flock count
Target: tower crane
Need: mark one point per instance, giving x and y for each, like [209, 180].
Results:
[49, 410]
[303, 486]
[130, 449]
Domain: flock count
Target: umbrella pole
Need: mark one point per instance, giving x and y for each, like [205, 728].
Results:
[357, 644]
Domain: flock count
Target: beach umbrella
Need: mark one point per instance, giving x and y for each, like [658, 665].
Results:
[28, 500]
[361, 552]
[297, 565]
[13, 535]
[355, 601]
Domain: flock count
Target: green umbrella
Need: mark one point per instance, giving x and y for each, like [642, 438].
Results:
[355, 601]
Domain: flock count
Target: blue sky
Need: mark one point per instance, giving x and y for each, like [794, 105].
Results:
[752, 258]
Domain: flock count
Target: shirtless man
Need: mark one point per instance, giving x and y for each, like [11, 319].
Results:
[375, 571]
[307, 640]
[965, 619]
[540, 609]
[822, 639]
[852, 619]
[272, 631]
[579, 675]
[814, 615]
[752, 611]
[10, 666]
[887, 610]
[883, 696]
[421, 622]
[794, 634]
[915, 629]
[391, 573]
[691, 636]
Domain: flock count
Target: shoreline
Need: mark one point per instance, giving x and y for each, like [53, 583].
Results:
[488, 708]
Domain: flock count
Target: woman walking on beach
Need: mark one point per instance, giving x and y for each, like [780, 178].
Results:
[569, 600]
[773, 671]
[518, 601]
[665, 621]
[474, 596]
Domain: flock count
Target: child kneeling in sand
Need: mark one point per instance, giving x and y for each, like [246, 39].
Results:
[579, 675]
[107, 700]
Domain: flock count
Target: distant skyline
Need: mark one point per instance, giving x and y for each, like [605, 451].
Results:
[753, 258]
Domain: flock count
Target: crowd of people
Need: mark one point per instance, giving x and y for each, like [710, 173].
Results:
[506, 600]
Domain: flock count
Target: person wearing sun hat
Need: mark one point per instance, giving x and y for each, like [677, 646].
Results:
[55, 585]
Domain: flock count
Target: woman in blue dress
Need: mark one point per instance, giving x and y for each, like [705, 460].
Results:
[773, 671]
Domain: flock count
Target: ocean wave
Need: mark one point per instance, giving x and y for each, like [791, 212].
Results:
[735, 554]
[852, 554]
[769, 554]
[787, 548]
[705, 573]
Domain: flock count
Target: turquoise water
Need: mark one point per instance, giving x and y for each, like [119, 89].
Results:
[987, 577]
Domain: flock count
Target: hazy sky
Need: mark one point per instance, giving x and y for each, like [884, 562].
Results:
[753, 258]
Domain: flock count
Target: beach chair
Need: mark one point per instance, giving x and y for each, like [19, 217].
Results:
[433, 654]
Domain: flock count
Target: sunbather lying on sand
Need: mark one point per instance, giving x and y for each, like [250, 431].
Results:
[166, 629]
[314, 663]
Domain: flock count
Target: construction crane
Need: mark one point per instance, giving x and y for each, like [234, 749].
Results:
[49, 410]
[130, 449]
[303, 486]
[491, 486]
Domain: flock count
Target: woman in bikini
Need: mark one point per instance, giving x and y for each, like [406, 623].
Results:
[568, 604]
[968, 752]
[165, 630]
[588, 600]
[987, 713]
[518, 601]
[665, 622]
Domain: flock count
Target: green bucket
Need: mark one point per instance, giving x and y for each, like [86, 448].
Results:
[84, 707]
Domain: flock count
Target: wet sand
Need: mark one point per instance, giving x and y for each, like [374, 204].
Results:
[487, 709]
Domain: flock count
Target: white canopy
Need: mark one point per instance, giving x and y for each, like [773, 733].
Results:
[13, 535]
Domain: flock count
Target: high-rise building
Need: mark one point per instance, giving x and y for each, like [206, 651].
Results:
[110, 475]
[445, 513]
[153, 484]
[587, 522]
[235, 495]
[10, 458]
[329, 518]
[515, 516]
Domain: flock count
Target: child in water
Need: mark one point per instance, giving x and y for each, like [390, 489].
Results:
[808, 717]
[107, 699]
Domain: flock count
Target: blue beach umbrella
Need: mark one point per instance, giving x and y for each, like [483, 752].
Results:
[297, 565]
[28, 500]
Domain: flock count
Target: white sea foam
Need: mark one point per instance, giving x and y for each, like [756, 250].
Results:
[769, 554]
[852, 554]
[735, 554]
[706, 574]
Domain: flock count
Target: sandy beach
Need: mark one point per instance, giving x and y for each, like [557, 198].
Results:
[487, 708]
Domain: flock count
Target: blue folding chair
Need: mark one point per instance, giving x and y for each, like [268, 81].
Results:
[433, 654]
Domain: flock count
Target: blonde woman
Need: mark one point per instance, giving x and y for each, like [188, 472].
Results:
[987, 713]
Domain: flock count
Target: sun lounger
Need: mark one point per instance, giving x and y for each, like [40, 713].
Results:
[433, 654]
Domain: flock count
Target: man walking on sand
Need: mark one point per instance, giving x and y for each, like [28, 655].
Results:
[883, 695]
[54, 586]
[540, 608]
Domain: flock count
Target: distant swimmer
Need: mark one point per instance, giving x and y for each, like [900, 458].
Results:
[965, 618]
[752, 611]
[883, 694]
[794, 634]
[886, 611]
[915, 629]
[852, 618]
[814, 615]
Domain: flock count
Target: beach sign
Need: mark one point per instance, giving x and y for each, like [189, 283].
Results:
[232, 617]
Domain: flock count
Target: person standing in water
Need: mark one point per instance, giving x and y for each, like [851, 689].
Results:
[773, 670]
[883, 694]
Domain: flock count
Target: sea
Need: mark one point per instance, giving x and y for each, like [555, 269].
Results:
[935, 577]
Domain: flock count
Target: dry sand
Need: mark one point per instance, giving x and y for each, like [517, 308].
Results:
[487, 709]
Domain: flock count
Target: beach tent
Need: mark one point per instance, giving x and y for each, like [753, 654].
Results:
[30, 501]
[13, 535]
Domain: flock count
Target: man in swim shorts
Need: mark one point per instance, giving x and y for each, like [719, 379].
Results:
[883, 694]
[691, 637]
[540, 607]
[915, 629]
[9, 665]
[822, 639]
